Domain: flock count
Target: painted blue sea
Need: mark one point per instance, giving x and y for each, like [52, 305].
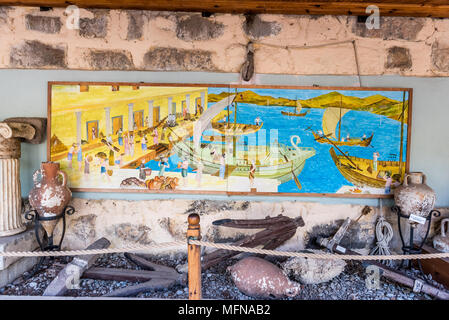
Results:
[320, 175]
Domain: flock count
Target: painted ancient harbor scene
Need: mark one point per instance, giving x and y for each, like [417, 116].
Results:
[192, 138]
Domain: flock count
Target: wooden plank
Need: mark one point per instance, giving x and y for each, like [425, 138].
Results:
[117, 274]
[438, 268]
[412, 8]
[74, 270]
[194, 257]
[153, 284]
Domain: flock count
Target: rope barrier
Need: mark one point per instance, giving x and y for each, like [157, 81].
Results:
[165, 245]
[91, 251]
[326, 256]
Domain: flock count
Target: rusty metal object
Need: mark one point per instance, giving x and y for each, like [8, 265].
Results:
[259, 278]
[277, 230]
[388, 272]
[162, 277]
[441, 241]
[49, 197]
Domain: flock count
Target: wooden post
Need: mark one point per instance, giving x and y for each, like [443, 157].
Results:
[194, 257]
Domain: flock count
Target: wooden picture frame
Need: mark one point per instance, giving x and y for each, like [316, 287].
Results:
[235, 90]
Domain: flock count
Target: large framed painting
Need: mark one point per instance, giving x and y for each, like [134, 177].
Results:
[231, 139]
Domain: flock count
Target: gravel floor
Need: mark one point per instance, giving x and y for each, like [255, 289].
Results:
[217, 283]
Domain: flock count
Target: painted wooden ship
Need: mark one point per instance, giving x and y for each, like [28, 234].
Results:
[297, 112]
[235, 129]
[360, 171]
[331, 133]
[279, 162]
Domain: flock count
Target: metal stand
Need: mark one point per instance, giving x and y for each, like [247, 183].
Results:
[411, 248]
[46, 242]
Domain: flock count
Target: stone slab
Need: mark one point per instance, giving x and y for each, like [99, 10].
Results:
[16, 269]
[25, 241]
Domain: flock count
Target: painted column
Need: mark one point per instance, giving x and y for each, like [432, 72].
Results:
[203, 100]
[78, 127]
[170, 105]
[130, 117]
[11, 134]
[150, 112]
[188, 103]
[107, 115]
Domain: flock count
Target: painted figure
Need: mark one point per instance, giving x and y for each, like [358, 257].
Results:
[222, 166]
[155, 137]
[109, 139]
[144, 143]
[111, 158]
[252, 173]
[120, 138]
[79, 157]
[94, 133]
[376, 155]
[258, 121]
[199, 172]
[118, 161]
[163, 164]
[103, 167]
[131, 144]
[388, 183]
[184, 167]
[142, 174]
[126, 144]
[86, 165]
[70, 156]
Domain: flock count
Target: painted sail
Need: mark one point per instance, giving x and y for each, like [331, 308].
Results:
[204, 121]
[298, 106]
[331, 116]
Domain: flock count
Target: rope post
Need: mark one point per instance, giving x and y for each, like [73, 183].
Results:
[194, 257]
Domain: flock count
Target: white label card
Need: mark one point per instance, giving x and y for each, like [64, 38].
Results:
[418, 219]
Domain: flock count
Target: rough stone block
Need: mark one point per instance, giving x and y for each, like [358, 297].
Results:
[398, 57]
[35, 54]
[4, 14]
[110, 60]
[43, 24]
[172, 59]
[25, 241]
[440, 56]
[136, 22]
[195, 27]
[255, 27]
[96, 27]
[16, 270]
[391, 28]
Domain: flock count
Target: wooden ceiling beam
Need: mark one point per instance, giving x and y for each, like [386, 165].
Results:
[411, 8]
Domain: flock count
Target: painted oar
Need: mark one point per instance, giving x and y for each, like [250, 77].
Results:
[295, 178]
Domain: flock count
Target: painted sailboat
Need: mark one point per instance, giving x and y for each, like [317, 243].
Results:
[361, 171]
[331, 134]
[297, 112]
[280, 162]
[234, 129]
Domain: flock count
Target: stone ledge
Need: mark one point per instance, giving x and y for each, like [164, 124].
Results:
[16, 269]
[25, 241]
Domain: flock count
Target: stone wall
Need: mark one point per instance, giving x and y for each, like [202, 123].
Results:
[155, 221]
[145, 40]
